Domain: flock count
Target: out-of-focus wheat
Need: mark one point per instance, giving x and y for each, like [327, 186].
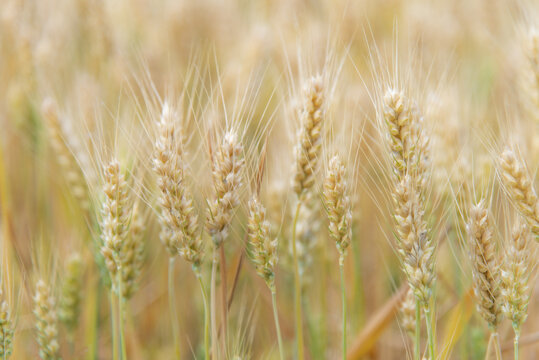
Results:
[69, 307]
[46, 322]
[6, 328]
[520, 188]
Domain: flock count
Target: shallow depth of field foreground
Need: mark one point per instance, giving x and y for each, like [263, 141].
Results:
[269, 179]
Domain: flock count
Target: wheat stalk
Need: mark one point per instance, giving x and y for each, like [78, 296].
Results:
[115, 235]
[46, 322]
[515, 274]
[520, 188]
[306, 153]
[263, 254]
[227, 171]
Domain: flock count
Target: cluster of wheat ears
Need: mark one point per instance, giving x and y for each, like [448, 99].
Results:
[377, 191]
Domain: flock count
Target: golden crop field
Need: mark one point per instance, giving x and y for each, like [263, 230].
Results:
[269, 179]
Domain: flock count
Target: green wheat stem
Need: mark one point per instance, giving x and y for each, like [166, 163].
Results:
[206, 315]
[172, 307]
[430, 332]
[113, 316]
[343, 295]
[121, 316]
[277, 326]
[297, 289]
[417, 338]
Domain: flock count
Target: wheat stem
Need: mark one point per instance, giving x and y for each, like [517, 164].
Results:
[213, 313]
[343, 295]
[297, 289]
[114, 319]
[224, 302]
[206, 315]
[417, 338]
[277, 326]
[497, 346]
[121, 316]
[515, 345]
[430, 332]
[172, 307]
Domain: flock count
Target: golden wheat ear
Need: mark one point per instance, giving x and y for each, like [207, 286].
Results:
[519, 186]
[485, 266]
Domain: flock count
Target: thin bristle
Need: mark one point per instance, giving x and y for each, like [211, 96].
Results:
[485, 267]
[309, 140]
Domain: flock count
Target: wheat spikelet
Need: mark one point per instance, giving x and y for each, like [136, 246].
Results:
[115, 221]
[46, 322]
[520, 188]
[397, 117]
[6, 329]
[338, 205]
[262, 250]
[228, 167]
[133, 253]
[414, 245]
[178, 217]
[69, 309]
[407, 312]
[309, 139]
[515, 275]
[485, 267]
[59, 139]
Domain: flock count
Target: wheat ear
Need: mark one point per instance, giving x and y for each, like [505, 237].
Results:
[515, 276]
[178, 217]
[59, 139]
[46, 322]
[6, 328]
[520, 188]
[69, 308]
[263, 253]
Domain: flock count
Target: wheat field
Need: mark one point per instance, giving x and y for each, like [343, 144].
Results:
[303, 179]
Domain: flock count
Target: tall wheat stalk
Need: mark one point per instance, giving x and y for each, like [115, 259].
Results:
[306, 151]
